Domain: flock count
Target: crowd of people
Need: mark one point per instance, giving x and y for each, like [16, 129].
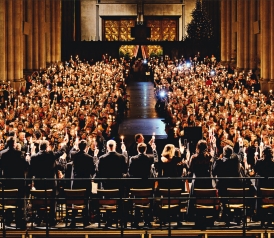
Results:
[227, 105]
[60, 106]
[65, 125]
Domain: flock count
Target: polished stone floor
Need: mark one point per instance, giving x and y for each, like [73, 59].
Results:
[141, 116]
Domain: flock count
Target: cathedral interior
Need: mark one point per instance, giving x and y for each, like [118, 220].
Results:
[36, 36]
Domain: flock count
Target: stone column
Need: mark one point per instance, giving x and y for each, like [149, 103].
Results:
[22, 61]
[52, 30]
[3, 69]
[228, 30]
[246, 34]
[234, 33]
[252, 36]
[265, 43]
[10, 40]
[18, 41]
[240, 34]
[58, 30]
[35, 45]
[41, 28]
[29, 19]
[223, 31]
[97, 37]
[271, 82]
[48, 31]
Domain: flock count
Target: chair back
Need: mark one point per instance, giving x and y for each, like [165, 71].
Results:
[142, 196]
[206, 197]
[236, 195]
[170, 196]
[108, 196]
[267, 196]
[75, 196]
[11, 197]
[41, 197]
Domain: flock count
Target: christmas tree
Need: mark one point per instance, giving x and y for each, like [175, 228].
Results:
[200, 27]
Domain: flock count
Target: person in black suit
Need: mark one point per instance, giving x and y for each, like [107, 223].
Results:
[83, 167]
[140, 166]
[139, 138]
[264, 168]
[14, 165]
[227, 166]
[45, 164]
[112, 165]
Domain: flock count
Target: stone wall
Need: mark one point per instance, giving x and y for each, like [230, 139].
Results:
[91, 21]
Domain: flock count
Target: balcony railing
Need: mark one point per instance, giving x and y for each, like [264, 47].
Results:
[127, 205]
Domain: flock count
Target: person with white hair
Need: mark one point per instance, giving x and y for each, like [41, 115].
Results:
[112, 165]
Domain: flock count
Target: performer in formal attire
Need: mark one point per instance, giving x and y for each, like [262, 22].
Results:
[169, 167]
[264, 168]
[14, 165]
[112, 165]
[139, 138]
[140, 166]
[83, 167]
[200, 165]
[44, 164]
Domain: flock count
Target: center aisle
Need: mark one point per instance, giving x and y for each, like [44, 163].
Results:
[141, 116]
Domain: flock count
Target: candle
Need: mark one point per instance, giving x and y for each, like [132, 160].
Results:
[122, 138]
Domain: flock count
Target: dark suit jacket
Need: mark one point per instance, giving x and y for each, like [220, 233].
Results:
[44, 164]
[227, 167]
[13, 165]
[132, 151]
[83, 167]
[140, 167]
[111, 165]
[265, 168]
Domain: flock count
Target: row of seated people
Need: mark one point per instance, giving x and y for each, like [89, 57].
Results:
[201, 165]
[147, 205]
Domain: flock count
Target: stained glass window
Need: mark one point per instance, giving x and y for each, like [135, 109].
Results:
[118, 29]
[163, 29]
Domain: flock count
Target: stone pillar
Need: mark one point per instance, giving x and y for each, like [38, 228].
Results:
[228, 30]
[10, 40]
[246, 34]
[240, 34]
[22, 65]
[18, 39]
[234, 32]
[48, 31]
[41, 29]
[97, 37]
[52, 30]
[35, 41]
[271, 29]
[58, 30]
[183, 20]
[252, 36]
[3, 69]
[223, 31]
[265, 43]
[29, 49]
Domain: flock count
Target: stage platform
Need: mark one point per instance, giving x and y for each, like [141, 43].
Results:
[268, 233]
